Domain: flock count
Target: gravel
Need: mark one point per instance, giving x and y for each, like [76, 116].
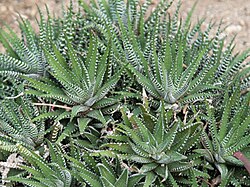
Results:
[235, 14]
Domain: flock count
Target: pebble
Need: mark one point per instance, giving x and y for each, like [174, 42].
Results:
[2, 8]
[233, 29]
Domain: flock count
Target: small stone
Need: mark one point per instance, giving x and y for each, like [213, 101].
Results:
[242, 23]
[3, 8]
[233, 29]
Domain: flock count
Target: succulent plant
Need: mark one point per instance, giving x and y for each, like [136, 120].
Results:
[109, 95]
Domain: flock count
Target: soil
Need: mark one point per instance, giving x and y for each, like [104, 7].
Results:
[235, 14]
